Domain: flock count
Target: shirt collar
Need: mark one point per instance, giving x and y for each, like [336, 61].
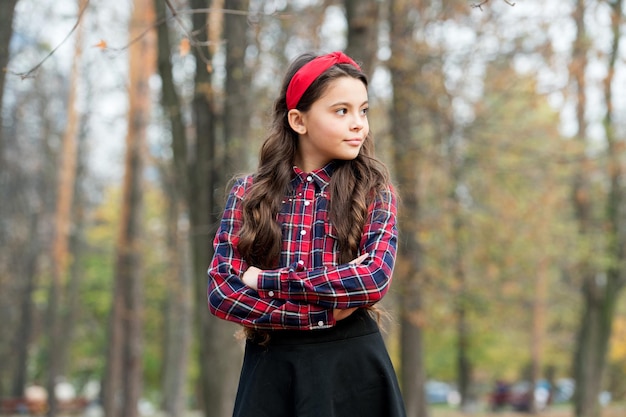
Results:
[321, 176]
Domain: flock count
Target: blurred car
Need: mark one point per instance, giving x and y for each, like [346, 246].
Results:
[563, 390]
[438, 392]
[520, 396]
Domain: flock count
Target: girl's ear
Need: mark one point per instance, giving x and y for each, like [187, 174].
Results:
[296, 121]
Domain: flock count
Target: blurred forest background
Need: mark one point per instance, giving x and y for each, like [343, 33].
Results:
[504, 125]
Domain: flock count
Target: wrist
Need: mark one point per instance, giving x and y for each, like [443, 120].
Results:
[251, 277]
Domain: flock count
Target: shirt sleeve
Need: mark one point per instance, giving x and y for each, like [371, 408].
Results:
[230, 299]
[347, 285]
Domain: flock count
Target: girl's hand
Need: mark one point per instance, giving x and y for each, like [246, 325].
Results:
[340, 314]
[251, 277]
[359, 259]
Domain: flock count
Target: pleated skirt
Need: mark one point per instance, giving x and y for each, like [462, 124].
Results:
[344, 371]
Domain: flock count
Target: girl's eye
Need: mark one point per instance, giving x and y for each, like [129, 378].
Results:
[341, 111]
[364, 111]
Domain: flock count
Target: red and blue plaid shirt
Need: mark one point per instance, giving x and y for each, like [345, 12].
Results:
[309, 281]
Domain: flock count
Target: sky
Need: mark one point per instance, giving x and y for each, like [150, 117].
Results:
[104, 77]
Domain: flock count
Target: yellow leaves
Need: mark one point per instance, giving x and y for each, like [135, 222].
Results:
[184, 47]
[618, 340]
[101, 45]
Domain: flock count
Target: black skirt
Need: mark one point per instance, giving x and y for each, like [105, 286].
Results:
[344, 371]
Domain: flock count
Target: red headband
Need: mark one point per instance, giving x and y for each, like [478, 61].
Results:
[309, 72]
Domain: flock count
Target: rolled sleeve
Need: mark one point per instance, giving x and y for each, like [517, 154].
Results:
[230, 299]
[347, 285]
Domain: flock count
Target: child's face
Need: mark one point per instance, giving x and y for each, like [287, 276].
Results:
[335, 126]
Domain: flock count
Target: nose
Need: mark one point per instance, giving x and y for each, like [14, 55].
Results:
[357, 122]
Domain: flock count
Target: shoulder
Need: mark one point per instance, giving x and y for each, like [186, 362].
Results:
[386, 194]
[241, 185]
[384, 204]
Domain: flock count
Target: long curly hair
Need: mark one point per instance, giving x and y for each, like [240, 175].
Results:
[353, 185]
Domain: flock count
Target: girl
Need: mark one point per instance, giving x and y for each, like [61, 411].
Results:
[305, 248]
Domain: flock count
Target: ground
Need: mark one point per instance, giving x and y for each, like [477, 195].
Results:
[615, 410]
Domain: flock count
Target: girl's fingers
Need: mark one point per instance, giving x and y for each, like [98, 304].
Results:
[359, 259]
[340, 314]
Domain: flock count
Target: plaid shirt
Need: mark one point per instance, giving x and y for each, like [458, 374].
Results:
[309, 282]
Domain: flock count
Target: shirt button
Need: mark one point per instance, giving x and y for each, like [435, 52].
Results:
[309, 178]
[300, 262]
[303, 232]
[271, 293]
[320, 323]
[306, 203]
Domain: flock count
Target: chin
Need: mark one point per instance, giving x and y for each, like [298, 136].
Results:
[347, 157]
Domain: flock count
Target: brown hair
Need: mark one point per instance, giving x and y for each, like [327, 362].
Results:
[353, 185]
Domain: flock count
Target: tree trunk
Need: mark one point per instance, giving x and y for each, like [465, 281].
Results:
[464, 366]
[77, 245]
[24, 330]
[406, 161]
[7, 7]
[171, 104]
[24, 251]
[363, 18]
[178, 310]
[237, 88]
[592, 345]
[600, 290]
[215, 394]
[584, 396]
[124, 373]
[219, 353]
[539, 313]
[60, 255]
[459, 233]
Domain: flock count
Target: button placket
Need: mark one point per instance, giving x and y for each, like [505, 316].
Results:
[306, 195]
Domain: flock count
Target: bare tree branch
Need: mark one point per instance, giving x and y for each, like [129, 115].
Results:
[193, 41]
[480, 5]
[29, 73]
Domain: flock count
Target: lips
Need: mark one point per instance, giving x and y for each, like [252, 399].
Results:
[354, 141]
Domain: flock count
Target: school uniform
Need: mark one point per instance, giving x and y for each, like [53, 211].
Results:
[312, 365]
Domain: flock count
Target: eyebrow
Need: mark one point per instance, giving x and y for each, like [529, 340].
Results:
[345, 103]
